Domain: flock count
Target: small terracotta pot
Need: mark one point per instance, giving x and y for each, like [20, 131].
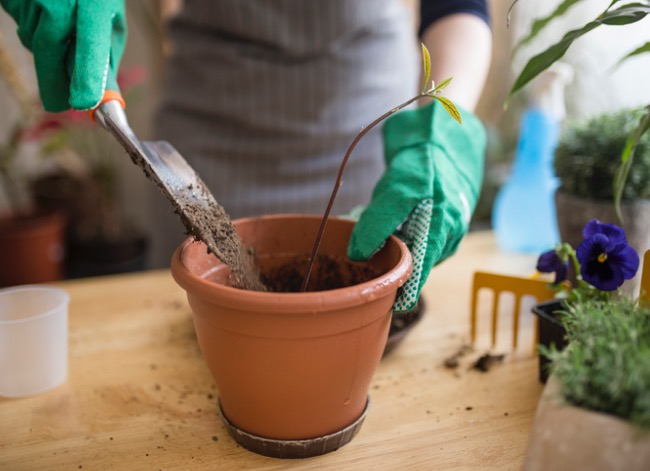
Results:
[293, 370]
[31, 248]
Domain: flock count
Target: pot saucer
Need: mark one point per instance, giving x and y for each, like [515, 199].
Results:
[294, 448]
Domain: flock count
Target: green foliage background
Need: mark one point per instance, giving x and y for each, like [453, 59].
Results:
[589, 155]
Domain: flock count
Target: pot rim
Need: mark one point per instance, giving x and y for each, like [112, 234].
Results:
[543, 311]
[292, 302]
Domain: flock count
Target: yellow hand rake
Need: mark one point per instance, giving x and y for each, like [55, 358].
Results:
[498, 284]
[521, 287]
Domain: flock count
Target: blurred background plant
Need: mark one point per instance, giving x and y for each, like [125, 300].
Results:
[615, 14]
[78, 173]
[83, 170]
[587, 156]
[65, 163]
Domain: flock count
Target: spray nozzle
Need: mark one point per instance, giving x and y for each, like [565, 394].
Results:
[546, 91]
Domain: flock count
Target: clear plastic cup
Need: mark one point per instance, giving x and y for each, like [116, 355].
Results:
[33, 339]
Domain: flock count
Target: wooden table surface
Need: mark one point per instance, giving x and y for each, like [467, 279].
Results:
[139, 395]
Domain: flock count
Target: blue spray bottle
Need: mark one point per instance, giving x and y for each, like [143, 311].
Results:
[523, 215]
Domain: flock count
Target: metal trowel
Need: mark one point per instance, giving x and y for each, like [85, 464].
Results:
[200, 213]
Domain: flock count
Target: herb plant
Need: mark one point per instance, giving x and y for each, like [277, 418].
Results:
[605, 368]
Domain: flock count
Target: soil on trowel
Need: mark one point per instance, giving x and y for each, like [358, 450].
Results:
[215, 228]
[207, 221]
[328, 273]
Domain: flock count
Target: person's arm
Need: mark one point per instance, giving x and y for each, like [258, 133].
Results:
[434, 165]
[458, 36]
[460, 47]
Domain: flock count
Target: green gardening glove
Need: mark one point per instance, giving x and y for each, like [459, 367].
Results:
[434, 168]
[91, 32]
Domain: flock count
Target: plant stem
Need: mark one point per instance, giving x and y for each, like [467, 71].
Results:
[339, 182]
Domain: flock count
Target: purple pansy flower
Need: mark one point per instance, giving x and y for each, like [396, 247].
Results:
[613, 232]
[605, 258]
[550, 262]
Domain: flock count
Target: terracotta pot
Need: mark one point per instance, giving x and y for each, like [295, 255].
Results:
[567, 438]
[31, 248]
[293, 370]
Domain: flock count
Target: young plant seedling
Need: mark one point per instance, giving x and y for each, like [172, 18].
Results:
[429, 92]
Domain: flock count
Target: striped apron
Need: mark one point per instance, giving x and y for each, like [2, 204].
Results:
[263, 97]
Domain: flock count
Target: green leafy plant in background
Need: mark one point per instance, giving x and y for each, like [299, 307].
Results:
[616, 14]
[586, 158]
[605, 367]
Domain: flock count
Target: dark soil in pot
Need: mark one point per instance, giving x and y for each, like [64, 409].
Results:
[329, 273]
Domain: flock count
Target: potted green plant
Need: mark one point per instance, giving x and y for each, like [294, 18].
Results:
[586, 161]
[602, 262]
[293, 363]
[595, 410]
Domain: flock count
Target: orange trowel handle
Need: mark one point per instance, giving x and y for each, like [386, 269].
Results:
[109, 95]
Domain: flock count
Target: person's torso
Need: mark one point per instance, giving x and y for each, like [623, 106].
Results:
[264, 96]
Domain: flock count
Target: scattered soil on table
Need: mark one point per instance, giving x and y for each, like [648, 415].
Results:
[453, 361]
[487, 361]
[483, 363]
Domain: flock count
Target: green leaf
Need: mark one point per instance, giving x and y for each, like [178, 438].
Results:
[426, 66]
[540, 23]
[450, 107]
[443, 84]
[542, 61]
[625, 14]
[627, 157]
[639, 50]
